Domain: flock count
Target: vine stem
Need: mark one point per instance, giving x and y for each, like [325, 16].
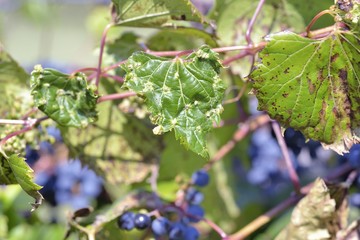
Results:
[102, 45]
[88, 69]
[21, 131]
[252, 22]
[266, 217]
[285, 152]
[215, 227]
[313, 21]
[14, 121]
[244, 128]
[116, 96]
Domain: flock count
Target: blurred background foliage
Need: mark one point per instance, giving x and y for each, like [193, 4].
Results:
[65, 34]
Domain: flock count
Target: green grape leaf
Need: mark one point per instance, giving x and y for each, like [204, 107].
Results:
[67, 99]
[183, 95]
[312, 86]
[319, 215]
[154, 13]
[14, 170]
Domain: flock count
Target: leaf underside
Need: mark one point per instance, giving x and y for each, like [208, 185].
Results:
[14, 170]
[154, 13]
[312, 86]
[66, 99]
[319, 215]
[183, 95]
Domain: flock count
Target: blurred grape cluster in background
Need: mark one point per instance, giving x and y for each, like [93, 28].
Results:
[63, 34]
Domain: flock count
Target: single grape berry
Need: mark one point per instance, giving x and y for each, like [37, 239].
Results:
[126, 221]
[200, 178]
[191, 233]
[142, 221]
[177, 231]
[160, 226]
[194, 196]
[195, 213]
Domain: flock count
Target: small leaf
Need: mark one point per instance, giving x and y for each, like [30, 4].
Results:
[319, 215]
[14, 170]
[312, 86]
[67, 99]
[154, 13]
[183, 95]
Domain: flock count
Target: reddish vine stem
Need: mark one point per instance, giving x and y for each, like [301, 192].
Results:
[116, 96]
[116, 78]
[102, 45]
[21, 131]
[313, 21]
[266, 217]
[244, 129]
[216, 228]
[285, 152]
[13, 121]
[252, 22]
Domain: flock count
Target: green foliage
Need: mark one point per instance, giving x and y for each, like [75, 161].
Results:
[154, 13]
[184, 95]
[14, 170]
[312, 85]
[67, 99]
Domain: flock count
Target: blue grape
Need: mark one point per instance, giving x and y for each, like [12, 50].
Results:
[177, 231]
[200, 178]
[196, 213]
[354, 199]
[76, 186]
[191, 233]
[142, 221]
[160, 226]
[354, 156]
[126, 221]
[194, 196]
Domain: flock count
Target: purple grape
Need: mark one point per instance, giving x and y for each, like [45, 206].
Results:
[160, 226]
[200, 178]
[177, 231]
[194, 196]
[142, 221]
[126, 221]
[191, 233]
[195, 212]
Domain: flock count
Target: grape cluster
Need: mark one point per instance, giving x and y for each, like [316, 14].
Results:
[181, 228]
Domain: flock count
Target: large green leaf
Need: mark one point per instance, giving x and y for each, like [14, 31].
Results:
[67, 99]
[319, 215]
[14, 170]
[154, 13]
[183, 95]
[312, 86]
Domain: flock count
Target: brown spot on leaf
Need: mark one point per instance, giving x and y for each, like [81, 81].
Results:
[343, 74]
[334, 57]
[286, 70]
[311, 86]
[320, 75]
[285, 95]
